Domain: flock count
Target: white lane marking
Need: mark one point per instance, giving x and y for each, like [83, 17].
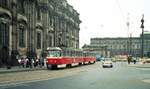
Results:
[146, 80]
[143, 68]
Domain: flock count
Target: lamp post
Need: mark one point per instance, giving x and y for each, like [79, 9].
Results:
[128, 25]
[142, 36]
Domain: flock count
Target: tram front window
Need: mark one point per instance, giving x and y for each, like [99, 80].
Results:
[54, 53]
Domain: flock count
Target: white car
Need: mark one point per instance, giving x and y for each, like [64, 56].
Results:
[107, 62]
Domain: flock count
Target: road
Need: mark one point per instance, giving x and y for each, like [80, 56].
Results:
[121, 76]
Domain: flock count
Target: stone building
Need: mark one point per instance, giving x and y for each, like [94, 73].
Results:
[28, 27]
[120, 46]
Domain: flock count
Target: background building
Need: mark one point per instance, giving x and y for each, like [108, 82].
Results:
[28, 27]
[107, 47]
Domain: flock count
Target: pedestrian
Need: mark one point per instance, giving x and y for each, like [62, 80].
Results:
[22, 62]
[36, 62]
[129, 59]
[27, 62]
[32, 62]
[134, 61]
[45, 62]
[19, 61]
[41, 61]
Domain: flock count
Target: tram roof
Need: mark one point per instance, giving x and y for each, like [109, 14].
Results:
[65, 48]
[73, 49]
[53, 48]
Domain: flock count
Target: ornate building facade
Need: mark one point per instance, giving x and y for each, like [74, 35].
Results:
[28, 27]
[107, 47]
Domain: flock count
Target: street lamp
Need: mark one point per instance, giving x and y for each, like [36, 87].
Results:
[142, 26]
[128, 25]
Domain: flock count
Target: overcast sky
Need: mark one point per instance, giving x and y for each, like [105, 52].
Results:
[108, 18]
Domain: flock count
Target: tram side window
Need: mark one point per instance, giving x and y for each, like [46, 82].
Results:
[77, 53]
[84, 54]
[63, 53]
[67, 53]
[73, 53]
[81, 53]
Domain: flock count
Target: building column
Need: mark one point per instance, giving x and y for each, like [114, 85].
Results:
[30, 11]
[14, 51]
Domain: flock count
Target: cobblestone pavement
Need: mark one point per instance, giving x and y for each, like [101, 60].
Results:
[39, 75]
[20, 69]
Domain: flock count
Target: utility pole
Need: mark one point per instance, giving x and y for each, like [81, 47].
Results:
[130, 45]
[128, 25]
[142, 26]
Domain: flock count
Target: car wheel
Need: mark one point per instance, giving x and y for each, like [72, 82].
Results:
[111, 66]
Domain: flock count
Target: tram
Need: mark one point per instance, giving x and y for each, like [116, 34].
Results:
[68, 57]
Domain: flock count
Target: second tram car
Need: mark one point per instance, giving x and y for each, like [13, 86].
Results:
[67, 57]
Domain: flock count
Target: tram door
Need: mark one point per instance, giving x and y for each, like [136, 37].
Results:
[4, 44]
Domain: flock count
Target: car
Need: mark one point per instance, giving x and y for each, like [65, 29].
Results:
[107, 62]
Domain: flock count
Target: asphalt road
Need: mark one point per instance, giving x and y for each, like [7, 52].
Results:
[121, 76]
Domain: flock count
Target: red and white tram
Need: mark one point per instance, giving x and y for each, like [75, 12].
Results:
[67, 57]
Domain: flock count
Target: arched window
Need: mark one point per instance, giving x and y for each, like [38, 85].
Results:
[38, 14]
[38, 40]
[3, 3]
[22, 37]
[50, 41]
[4, 34]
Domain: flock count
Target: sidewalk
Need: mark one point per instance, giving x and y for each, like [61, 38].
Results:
[138, 65]
[19, 69]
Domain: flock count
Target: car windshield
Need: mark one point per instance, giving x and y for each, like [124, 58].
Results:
[107, 59]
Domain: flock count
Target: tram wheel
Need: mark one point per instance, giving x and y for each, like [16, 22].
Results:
[48, 66]
[68, 65]
[54, 67]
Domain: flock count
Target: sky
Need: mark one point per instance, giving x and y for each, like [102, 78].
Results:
[108, 18]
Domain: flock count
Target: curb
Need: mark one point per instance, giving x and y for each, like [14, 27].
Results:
[20, 70]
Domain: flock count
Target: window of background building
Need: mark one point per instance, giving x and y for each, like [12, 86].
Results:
[59, 41]
[38, 40]
[50, 41]
[67, 43]
[3, 34]
[38, 14]
[3, 3]
[22, 37]
[22, 7]
[51, 20]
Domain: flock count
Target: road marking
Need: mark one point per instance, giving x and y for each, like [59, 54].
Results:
[143, 68]
[146, 80]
